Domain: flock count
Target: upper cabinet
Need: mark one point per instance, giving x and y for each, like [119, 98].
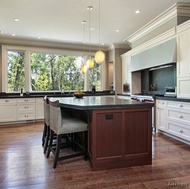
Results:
[183, 60]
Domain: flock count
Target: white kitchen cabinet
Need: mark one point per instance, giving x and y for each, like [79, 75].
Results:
[126, 74]
[161, 115]
[183, 60]
[39, 108]
[8, 110]
[173, 118]
[178, 114]
[26, 108]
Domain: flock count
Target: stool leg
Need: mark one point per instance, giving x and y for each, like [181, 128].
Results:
[58, 146]
[50, 142]
[47, 139]
[85, 133]
[44, 134]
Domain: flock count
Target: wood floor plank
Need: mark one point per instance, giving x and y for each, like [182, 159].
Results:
[23, 165]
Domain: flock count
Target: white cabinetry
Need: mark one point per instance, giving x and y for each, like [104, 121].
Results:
[26, 109]
[39, 108]
[161, 115]
[183, 63]
[173, 117]
[8, 110]
[21, 109]
[126, 74]
[179, 119]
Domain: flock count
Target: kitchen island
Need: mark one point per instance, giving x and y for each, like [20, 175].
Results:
[119, 131]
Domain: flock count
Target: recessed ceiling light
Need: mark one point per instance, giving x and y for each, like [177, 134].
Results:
[13, 34]
[117, 30]
[102, 44]
[39, 37]
[16, 19]
[137, 11]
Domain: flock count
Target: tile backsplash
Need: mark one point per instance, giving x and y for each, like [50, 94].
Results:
[155, 81]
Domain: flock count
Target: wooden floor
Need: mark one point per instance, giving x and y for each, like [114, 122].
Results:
[23, 165]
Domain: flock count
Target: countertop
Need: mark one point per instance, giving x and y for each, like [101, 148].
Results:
[51, 94]
[101, 102]
[162, 97]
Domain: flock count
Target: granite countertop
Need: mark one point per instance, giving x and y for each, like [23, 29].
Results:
[51, 94]
[162, 97]
[101, 102]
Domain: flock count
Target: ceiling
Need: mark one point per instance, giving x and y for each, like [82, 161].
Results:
[61, 20]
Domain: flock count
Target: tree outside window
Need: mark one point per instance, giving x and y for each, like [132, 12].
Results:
[15, 69]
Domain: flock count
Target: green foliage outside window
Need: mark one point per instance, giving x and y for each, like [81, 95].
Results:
[16, 72]
[55, 72]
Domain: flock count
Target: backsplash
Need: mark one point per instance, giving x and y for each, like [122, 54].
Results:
[155, 81]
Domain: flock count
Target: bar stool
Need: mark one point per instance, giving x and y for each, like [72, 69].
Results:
[46, 131]
[62, 124]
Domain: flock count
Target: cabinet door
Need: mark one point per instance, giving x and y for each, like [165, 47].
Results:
[8, 110]
[161, 115]
[39, 108]
[183, 89]
[183, 55]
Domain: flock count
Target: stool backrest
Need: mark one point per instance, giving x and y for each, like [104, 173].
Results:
[55, 116]
[46, 111]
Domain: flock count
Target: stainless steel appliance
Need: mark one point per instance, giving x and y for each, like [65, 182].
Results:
[170, 91]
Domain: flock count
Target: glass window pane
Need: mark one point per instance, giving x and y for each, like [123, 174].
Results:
[55, 72]
[16, 71]
[95, 77]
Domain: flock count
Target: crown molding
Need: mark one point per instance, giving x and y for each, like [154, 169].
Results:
[178, 9]
[118, 46]
[183, 27]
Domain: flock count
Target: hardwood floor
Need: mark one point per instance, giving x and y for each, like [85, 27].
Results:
[23, 165]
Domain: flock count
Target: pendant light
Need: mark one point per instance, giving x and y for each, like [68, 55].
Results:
[90, 62]
[99, 55]
[84, 66]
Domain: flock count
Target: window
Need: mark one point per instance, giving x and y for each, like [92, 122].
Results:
[95, 77]
[55, 72]
[15, 69]
[41, 69]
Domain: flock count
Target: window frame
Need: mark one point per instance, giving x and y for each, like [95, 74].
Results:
[28, 51]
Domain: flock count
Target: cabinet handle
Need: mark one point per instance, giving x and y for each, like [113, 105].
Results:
[180, 116]
[162, 103]
[26, 106]
[6, 100]
[26, 100]
[26, 115]
[181, 131]
[180, 105]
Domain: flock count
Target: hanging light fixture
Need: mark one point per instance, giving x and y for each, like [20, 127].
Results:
[90, 62]
[99, 55]
[84, 66]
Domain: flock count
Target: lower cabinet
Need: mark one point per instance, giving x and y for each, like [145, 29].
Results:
[120, 138]
[161, 114]
[8, 110]
[175, 120]
[21, 109]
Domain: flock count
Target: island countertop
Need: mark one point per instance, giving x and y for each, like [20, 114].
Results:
[100, 102]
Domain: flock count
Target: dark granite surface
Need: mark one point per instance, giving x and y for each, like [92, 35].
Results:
[51, 94]
[100, 102]
[162, 97]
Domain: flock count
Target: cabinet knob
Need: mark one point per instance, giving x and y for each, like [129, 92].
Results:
[180, 116]
[26, 115]
[26, 100]
[180, 105]
[26, 106]
[6, 100]
[181, 131]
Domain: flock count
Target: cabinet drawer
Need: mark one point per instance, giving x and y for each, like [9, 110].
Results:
[26, 100]
[182, 116]
[26, 107]
[8, 101]
[182, 131]
[26, 116]
[179, 105]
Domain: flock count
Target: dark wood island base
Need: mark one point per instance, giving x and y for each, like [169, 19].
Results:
[119, 131]
[120, 138]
